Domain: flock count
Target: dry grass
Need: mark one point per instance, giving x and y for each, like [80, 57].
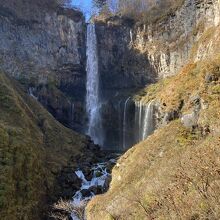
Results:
[168, 176]
[33, 148]
[206, 37]
[191, 80]
[175, 173]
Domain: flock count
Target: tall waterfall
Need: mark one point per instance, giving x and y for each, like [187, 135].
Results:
[144, 119]
[93, 97]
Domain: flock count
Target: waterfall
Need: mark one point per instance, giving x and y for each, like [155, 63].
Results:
[144, 119]
[120, 124]
[93, 97]
[148, 122]
[72, 112]
[136, 122]
[125, 127]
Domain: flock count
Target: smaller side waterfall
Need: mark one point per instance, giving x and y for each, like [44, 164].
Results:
[144, 119]
[136, 121]
[148, 121]
[72, 112]
[125, 127]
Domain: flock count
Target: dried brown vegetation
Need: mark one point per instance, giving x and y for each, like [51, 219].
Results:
[175, 173]
[63, 209]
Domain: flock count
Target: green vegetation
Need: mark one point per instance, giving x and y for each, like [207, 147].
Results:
[33, 148]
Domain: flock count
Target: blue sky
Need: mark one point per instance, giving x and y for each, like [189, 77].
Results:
[85, 6]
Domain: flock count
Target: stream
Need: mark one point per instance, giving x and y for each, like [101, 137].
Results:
[98, 184]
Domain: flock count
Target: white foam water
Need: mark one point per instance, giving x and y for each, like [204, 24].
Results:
[144, 119]
[99, 179]
[93, 104]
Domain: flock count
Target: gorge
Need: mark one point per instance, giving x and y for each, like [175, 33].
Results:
[112, 118]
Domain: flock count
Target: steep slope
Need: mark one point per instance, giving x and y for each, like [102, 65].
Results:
[174, 174]
[33, 148]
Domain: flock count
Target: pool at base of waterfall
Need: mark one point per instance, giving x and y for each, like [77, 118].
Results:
[98, 184]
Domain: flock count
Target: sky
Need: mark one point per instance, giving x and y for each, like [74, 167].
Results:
[85, 6]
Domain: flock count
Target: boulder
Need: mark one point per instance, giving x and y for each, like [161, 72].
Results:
[190, 120]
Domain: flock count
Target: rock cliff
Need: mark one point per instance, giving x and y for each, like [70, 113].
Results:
[44, 48]
[141, 52]
[171, 41]
[122, 71]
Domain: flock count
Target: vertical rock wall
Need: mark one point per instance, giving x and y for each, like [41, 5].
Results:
[172, 42]
[44, 48]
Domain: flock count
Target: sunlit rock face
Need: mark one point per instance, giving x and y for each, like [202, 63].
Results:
[44, 48]
[172, 42]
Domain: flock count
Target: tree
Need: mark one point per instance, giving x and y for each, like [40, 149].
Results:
[99, 3]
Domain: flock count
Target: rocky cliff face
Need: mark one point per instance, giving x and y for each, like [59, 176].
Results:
[44, 48]
[172, 41]
[121, 67]
[190, 35]
[142, 52]
[135, 55]
[163, 176]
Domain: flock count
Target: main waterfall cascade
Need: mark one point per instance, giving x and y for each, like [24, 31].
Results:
[93, 103]
[135, 119]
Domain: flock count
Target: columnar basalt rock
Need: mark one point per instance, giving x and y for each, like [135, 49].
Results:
[123, 70]
[172, 42]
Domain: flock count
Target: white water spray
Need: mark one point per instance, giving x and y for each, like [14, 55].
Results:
[93, 104]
